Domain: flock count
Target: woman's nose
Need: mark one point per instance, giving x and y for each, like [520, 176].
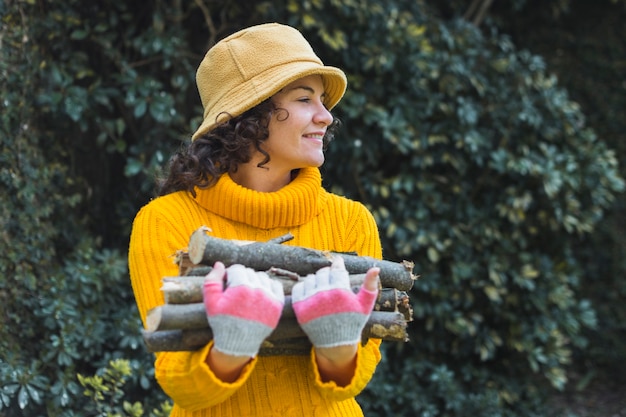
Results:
[323, 115]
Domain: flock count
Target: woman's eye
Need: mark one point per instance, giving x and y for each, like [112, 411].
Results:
[304, 99]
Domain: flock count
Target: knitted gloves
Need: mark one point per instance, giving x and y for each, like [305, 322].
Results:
[243, 313]
[328, 311]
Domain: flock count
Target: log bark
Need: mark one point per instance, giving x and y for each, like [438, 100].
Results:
[185, 265]
[190, 340]
[404, 306]
[188, 289]
[193, 316]
[287, 338]
[181, 258]
[261, 256]
[287, 278]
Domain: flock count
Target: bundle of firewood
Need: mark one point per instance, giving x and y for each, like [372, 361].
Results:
[181, 324]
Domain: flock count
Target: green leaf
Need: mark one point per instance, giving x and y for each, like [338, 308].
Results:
[22, 397]
[140, 108]
[133, 167]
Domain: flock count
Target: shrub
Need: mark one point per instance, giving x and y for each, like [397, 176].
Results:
[65, 303]
[106, 391]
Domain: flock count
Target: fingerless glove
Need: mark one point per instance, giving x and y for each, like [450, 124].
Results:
[328, 311]
[245, 312]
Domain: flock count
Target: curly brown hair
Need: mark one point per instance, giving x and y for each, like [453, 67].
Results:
[204, 160]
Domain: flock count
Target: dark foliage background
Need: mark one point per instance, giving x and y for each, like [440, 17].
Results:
[485, 143]
[586, 45]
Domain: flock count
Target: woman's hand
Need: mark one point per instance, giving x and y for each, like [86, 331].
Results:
[333, 317]
[241, 314]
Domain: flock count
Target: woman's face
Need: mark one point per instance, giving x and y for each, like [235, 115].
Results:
[298, 125]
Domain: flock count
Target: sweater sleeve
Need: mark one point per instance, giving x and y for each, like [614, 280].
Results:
[184, 376]
[368, 356]
[365, 241]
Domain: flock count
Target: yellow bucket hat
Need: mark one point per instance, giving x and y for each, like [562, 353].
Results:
[251, 65]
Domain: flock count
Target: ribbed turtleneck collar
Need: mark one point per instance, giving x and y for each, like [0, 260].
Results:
[293, 205]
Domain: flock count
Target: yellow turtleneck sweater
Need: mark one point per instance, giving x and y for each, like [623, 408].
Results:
[280, 386]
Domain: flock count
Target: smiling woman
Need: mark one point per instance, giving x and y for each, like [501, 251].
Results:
[251, 172]
[296, 131]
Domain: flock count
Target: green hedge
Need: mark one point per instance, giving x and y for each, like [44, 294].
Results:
[474, 160]
[589, 37]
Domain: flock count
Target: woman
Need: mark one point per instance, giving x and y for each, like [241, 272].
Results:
[251, 172]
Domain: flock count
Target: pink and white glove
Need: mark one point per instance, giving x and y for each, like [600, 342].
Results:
[328, 311]
[244, 313]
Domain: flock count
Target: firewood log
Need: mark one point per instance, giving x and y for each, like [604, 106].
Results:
[188, 290]
[193, 315]
[389, 326]
[262, 256]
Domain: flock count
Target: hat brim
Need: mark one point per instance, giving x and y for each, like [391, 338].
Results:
[231, 105]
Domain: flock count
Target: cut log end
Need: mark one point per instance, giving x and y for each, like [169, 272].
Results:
[153, 319]
[197, 245]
